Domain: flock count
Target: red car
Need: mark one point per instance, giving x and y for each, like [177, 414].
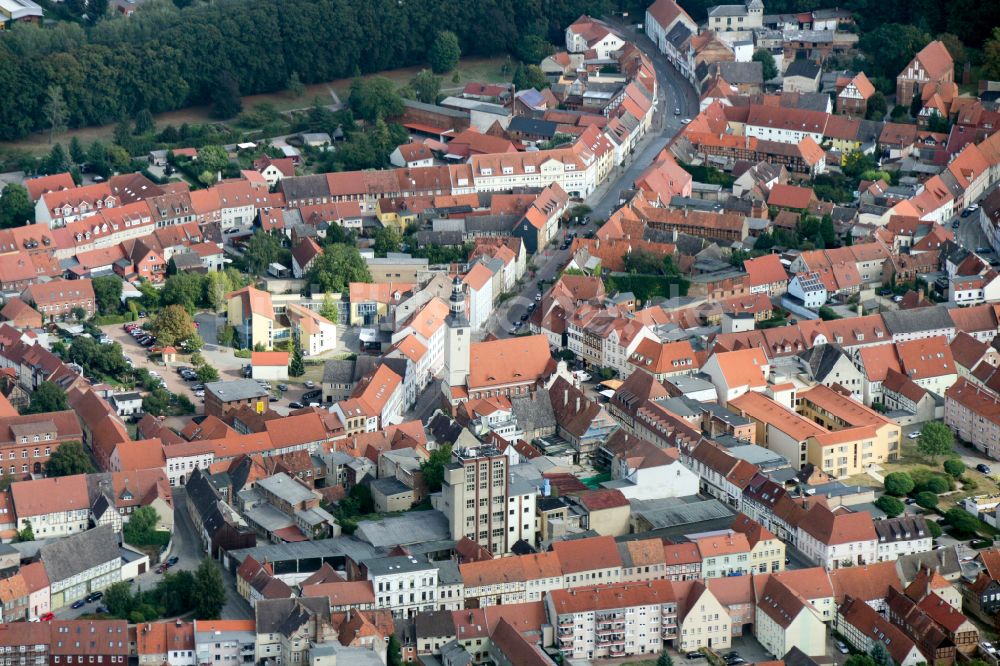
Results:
[47, 616]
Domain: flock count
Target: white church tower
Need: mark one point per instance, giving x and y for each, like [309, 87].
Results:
[458, 338]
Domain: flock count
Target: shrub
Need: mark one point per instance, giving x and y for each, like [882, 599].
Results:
[935, 484]
[954, 467]
[968, 483]
[890, 505]
[934, 529]
[927, 500]
[898, 483]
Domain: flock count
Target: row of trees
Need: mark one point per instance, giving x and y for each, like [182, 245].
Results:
[166, 57]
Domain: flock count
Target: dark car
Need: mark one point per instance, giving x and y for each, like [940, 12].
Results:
[309, 396]
[966, 213]
[954, 225]
[694, 655]
[173, 560]
[94, 596]
[102, 609]
[198, 387]
[524, 317]
[981, 467]
[282, 387]
[295, 405]
[79, 603]
[273, 398]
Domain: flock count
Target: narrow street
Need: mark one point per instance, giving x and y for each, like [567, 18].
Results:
[674, 93]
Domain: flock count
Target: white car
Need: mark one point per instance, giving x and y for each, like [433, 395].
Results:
[582, 376]
[914, 435]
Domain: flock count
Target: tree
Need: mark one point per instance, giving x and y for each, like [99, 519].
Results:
[533, 48]
[877, 106]
[890, 505]
[207, 373]
[295, 366]
[48, 397]
[173, 325]
[118, 599]
[880, 656]
[426, 87]
[961, 521]
[260, 252]
[27, 534]
[208, 593]
[927, 499]
[213, 158]
[183, 289]
[934, 529]
[764, 57]
[56, 112]
[529, 76]
[76, 151]
[433, 467]
[936, 439]
[295, 85]
[107, 294]
[898, 483]
[828, 314]
[16, 209]
[225, 94]
[954, 466]
[68, 459]
[329, 309]
[394, 653]
[375, 97]
[444, 52]
[144, 123]
[156, 402]
[991, 56]
[56, 161]
[664, 659]
[387, 239]
[337, 267]
[143, 519]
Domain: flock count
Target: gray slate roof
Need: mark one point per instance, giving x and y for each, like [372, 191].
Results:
[534, 412]
[75, 554]
[804, 68]
[284, 616]
[338, 371]
[406, 529]
[920, 319]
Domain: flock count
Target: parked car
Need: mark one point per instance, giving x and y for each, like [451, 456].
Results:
[694, 655]
[79, 603]
[199, 394]
[914, 435]
[295, 405]
[46, 617]
[173, 560]
[273, 398]
[94, 596]
[842, 648]
[955, 224]
[309, 396]
[524, 317]
[982, 467]
[282, 387]
[102, 609]
[310, 384]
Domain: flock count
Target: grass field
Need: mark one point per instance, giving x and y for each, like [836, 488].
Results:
[487, 70]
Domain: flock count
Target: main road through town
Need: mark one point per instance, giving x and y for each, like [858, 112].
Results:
[676, 101]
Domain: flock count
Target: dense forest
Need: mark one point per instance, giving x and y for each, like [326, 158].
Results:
[166, 57]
